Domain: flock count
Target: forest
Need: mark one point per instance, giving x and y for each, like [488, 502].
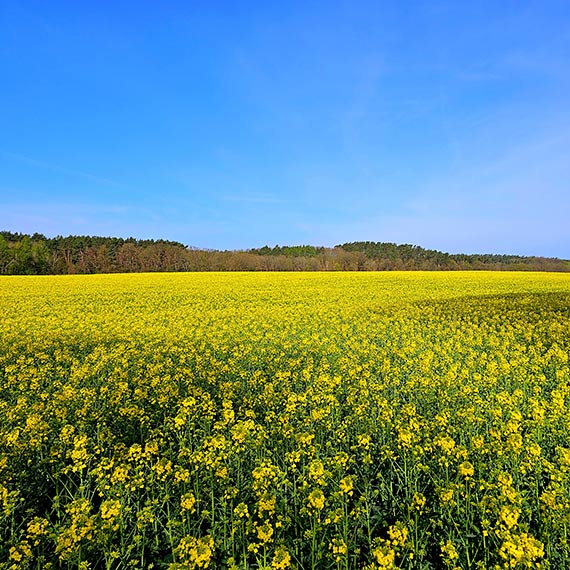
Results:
[24, 254]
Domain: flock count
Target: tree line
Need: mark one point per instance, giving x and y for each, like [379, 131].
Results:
[24, 254]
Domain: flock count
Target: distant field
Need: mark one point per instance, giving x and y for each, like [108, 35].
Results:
[285, 420]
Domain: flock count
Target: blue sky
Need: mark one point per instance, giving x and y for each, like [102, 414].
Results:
[444, 124]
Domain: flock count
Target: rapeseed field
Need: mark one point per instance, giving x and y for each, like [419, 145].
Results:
[275, 421]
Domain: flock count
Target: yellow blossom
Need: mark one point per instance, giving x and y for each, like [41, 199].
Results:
[466, 469]
[188, 502]
[316, 500]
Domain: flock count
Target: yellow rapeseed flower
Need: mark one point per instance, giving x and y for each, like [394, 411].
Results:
[316, 500]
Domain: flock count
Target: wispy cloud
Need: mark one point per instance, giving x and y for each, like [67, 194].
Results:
[252, 198]
[60, 169]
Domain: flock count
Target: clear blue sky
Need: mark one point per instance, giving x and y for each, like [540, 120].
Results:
[237, 124]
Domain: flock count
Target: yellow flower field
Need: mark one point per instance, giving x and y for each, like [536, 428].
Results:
[285, 420]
